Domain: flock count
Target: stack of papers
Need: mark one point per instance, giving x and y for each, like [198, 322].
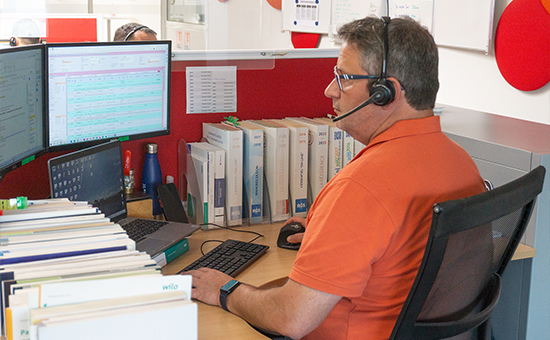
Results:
[68, 272]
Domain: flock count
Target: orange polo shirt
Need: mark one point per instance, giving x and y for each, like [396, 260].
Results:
[367, 230]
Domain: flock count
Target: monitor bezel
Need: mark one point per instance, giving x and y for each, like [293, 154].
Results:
[31, 156]
[84, 144]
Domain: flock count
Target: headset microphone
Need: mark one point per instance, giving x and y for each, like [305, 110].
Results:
[371, 100]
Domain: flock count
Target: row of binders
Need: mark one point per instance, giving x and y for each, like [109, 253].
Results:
[68, 272]
[261, 171]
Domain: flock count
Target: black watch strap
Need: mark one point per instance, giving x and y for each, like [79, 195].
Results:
[225, 290]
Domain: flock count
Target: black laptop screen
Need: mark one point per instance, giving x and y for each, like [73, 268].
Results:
[93, 175]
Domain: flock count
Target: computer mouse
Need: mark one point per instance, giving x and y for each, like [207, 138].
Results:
[287, 230]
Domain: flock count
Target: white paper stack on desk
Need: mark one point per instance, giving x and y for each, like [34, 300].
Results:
[61, 242]
[62, 229]
[154, 307]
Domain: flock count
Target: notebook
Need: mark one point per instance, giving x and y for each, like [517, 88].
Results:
[95, 175]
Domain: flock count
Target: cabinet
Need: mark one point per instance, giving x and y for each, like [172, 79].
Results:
[505, 148]
[139, 205]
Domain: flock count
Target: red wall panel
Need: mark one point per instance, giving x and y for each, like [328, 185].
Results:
[71, 30]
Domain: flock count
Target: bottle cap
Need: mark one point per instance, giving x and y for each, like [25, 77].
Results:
[151, 148]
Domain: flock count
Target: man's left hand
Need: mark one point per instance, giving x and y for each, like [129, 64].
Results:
[206, 285]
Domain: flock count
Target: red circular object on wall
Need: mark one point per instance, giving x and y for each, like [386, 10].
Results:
[305, 40]
[277, 4]
[522, 45]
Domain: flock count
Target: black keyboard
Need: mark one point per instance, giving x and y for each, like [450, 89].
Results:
[230, 257]
[140, 228]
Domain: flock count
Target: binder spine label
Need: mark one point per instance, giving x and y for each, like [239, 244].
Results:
[301, 206]
[219, 198]
[256, 210]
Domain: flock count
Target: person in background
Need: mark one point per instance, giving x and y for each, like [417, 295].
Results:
[134, 31]
[25, 32]
[366, 232]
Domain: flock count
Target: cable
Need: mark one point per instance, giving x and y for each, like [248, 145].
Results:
[228, 228]
[208, 241]
[236, 230]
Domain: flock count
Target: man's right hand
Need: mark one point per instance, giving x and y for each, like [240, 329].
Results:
[296, 238]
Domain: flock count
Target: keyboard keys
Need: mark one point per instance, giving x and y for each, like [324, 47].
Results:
[140, 228]
[230, 257]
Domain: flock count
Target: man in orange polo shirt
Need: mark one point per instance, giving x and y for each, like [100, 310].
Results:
[367, 230]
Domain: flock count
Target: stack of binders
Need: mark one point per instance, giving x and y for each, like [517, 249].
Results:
[281, 179]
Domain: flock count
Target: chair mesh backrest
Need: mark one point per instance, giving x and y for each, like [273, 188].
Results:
[465, 266]
[465, 270]
[473, 239]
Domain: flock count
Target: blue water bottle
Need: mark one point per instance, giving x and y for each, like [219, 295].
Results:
[151, 175]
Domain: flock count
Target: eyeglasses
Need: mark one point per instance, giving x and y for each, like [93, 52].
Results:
[339, 77]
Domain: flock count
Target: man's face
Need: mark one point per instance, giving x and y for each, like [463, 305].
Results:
[361, 124]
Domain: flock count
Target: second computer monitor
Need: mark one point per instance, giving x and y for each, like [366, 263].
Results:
[22, 133]
[99, 91]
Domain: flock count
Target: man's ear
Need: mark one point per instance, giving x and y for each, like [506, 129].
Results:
[397, 86]
[399, 92]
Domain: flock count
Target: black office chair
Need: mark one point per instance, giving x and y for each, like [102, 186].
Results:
[470, 243]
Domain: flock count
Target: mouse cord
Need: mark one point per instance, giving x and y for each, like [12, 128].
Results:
[229, 228]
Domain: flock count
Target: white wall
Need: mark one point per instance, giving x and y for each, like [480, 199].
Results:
[472, 80]
[468, 79]
[119, 12]
[146, 12]
[234, 24]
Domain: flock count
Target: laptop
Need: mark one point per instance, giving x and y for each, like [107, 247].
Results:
[95, 175]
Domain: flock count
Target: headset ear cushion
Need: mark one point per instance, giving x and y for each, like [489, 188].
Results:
[13, 42]
[383, 92]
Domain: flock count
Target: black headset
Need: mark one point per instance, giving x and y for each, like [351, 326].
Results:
[383, 91]
[13, 42]
[137, 28]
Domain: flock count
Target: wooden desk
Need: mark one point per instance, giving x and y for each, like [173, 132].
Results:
[214, 322]
[523, 252]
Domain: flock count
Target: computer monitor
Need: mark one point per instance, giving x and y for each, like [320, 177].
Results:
[22, 111]
[101, 91]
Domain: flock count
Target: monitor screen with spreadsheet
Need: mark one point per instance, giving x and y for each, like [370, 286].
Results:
[22, 132]
[101, 91]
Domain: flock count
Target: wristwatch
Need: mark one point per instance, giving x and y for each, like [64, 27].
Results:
[227, 289]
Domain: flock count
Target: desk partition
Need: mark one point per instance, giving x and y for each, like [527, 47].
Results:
[504, 149]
